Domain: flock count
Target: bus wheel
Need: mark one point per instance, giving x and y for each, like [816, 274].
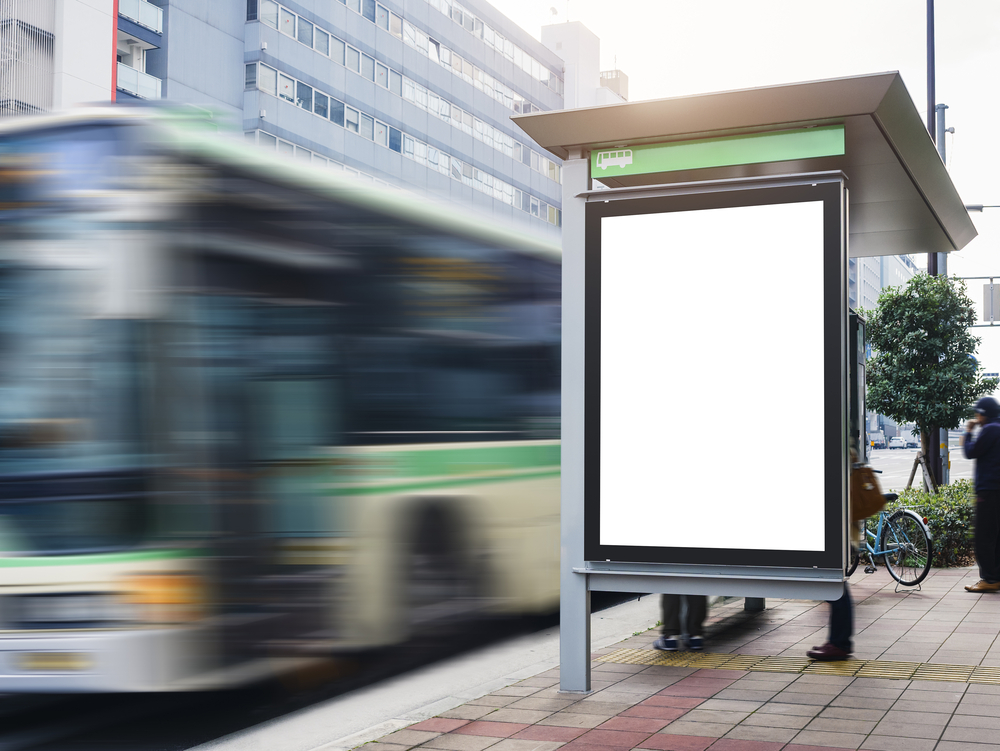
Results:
[440, 581]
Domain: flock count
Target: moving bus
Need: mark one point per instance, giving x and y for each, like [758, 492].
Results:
[254, 413]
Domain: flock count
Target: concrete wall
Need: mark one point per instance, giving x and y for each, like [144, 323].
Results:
[84, 52]
[202, 58]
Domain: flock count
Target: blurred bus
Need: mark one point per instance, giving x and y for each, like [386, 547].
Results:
[253, 413]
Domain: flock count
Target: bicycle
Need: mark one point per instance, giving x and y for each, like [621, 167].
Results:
[901, 540]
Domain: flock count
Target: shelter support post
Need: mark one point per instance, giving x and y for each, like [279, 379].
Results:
[753, 604]
[574, 593]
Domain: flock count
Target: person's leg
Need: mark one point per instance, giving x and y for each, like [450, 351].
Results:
[697, 608]
[842, 621]
[987, 529]
[988, 535]
[670, 606]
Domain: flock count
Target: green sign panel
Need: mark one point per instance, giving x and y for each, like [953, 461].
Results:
[754, 148]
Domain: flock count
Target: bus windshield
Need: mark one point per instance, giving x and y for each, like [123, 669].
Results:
[70, 416]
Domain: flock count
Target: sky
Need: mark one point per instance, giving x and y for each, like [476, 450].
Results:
[670, 48]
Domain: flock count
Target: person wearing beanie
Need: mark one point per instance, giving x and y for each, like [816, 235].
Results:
[985, 449]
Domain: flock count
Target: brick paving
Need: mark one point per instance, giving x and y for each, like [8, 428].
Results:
[687, 708]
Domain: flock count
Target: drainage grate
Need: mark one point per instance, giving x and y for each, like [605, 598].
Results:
[918, 671]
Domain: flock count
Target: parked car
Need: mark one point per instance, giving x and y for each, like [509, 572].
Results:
[911, 443]
[897, 443]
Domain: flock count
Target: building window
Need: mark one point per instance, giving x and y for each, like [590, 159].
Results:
[321, 104]
[267, 141]
[368, 9]
[351, 119]
[337, 48]
[395, 140]
[395, 25]
[366, 127]
[285, 148]
[367, 67]
[269, 12]
[250, 77]
[287, 19]
[268, 80]
[382, 17]
[304, 96]
[322, 42]
[382, 75]
[286, 87]
[251, 10]
[395, 83]
[381, 133]
[337, 112]
[305, 32]
[353, 59]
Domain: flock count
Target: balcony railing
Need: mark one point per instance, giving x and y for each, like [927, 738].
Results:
[136, 82]
[143, 13]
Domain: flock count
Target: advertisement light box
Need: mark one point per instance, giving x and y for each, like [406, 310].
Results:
[715, 379]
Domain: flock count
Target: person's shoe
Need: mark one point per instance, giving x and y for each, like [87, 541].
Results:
[983, 586]
[827, 653]
[696, 644]
[664, 644]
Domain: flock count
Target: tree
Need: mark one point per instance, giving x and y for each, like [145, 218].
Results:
[923, 369]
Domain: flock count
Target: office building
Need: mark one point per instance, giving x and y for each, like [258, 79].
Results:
[414, 94]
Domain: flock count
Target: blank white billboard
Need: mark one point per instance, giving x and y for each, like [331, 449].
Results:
[712, 390]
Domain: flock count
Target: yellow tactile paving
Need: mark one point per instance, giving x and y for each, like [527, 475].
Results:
[918, 671]
[985, 675]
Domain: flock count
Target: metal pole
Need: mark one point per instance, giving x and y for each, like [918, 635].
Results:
[574, 592]
[931, 94]
[933, 441]
[942, 268]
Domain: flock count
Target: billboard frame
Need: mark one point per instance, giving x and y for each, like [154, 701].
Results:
[831, 390]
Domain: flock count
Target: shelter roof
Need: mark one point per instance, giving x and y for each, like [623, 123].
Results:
[902, 199]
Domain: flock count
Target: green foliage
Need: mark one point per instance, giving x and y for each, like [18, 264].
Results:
[922, 370]
[950, 519]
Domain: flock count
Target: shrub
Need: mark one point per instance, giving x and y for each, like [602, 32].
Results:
[950, 513]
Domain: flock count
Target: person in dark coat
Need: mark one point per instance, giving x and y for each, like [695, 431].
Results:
[985, 449]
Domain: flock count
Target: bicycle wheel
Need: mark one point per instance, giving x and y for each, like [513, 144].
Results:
[852, 565]
[907, 547]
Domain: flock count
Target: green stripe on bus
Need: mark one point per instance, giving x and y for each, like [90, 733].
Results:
[409, 487]
[469, 461]
[96, 558]
[726, 151]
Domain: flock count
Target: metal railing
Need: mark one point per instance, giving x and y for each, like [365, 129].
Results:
[136, 82]
[143, 13]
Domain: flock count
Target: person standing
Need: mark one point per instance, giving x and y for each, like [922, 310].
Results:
[839, 647]
[985, 449]
[675, 626]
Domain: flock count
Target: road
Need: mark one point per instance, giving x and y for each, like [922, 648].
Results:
[896, 464]
[348, 697]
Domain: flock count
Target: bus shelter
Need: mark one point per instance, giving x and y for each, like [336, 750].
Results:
[706, 247]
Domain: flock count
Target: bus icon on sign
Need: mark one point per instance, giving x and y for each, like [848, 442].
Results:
[614, 158]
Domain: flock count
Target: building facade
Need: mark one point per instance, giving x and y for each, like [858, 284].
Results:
[410, 93]
[867, 277]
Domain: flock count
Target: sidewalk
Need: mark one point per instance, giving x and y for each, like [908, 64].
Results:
[926, 676]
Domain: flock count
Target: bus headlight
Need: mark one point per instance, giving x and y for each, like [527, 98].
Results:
[164, 598]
